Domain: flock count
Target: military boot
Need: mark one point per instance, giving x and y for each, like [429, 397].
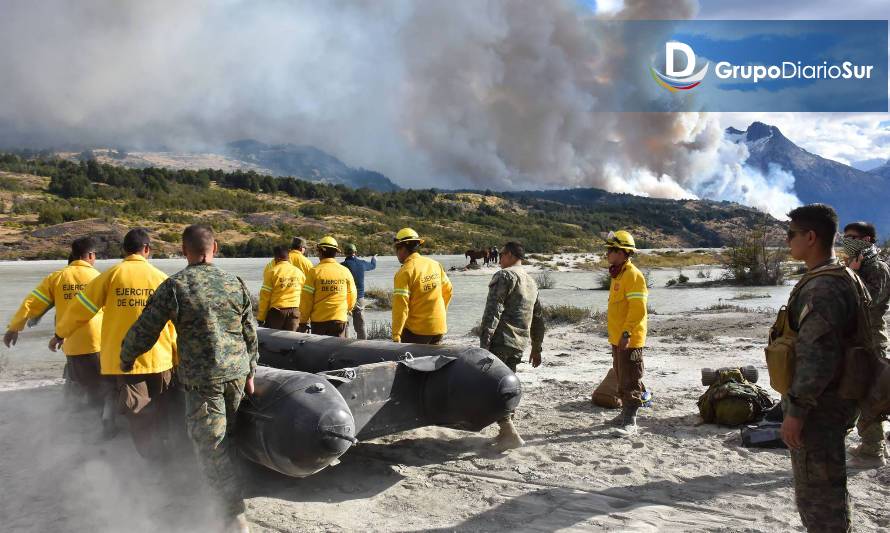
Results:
[628, 427]
[866, 456]
[507, 438]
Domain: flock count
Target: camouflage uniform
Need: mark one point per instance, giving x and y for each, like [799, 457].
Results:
[875, 274]
[217, 353]
[823, 313]
[513, 314]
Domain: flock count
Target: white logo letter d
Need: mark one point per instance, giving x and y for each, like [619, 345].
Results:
[669, 50]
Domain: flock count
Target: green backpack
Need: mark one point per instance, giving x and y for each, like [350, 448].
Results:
[732, 400]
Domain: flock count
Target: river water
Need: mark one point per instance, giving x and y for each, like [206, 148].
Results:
[465, 311]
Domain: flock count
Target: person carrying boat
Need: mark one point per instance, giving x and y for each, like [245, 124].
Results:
[218, 352]
[59, 290]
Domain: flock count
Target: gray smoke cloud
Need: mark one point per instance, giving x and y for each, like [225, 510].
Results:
[500, 94]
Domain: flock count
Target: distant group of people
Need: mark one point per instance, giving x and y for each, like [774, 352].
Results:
[133, 337]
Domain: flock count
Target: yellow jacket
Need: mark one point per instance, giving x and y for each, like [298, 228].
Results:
[281, 288]
[296, 258]
[300, 261]
[328, 293]
[421, 293]
[59, 289]
[627, 306]
[122, 292]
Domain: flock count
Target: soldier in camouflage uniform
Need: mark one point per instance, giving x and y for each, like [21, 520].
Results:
[859, 245]
[217, 353]
[816, 418]
[513, 314]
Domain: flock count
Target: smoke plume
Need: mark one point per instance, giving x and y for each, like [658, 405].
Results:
[501, 94]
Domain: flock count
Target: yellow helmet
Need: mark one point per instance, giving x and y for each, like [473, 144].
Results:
[621, 239]
[328, 242]
[406, 235]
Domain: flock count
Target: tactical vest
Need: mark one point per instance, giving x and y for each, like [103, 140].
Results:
[856, 370]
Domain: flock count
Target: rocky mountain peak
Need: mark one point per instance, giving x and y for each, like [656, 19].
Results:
[759, 130]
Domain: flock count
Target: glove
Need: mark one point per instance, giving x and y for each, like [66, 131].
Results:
[126, 367]
[303, 328]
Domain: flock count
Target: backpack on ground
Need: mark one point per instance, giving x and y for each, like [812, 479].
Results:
[732, 400]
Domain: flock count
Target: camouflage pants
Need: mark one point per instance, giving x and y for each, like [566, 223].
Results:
[211, 411]
[510, 356]
[820, 469]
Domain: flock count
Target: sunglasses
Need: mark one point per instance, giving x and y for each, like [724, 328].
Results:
[793, 232]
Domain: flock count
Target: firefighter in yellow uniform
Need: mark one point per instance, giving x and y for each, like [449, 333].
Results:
[59, 289]
[328, 294]
[279, 306]
[295, 256]
[421, 293]
[121, 292]
[626, 324]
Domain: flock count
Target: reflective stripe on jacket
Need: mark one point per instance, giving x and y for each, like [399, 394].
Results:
[282, 285]
[121, 292]
[628, 296]
[421, 293]
[60, 289]
[328, 293]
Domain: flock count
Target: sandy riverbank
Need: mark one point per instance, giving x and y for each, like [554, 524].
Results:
[572, 475]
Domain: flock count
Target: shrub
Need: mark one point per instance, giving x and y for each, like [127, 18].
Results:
[565, 314]
[379, 329]
[382, 298]
[545, 280]
[170, 236]
[703, 336]
[751, 261]
[597, 324]
[681, 279]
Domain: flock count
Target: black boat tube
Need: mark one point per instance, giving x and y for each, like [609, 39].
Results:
[456, 386]
[295, 423]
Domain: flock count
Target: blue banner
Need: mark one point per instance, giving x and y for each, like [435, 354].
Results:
[741, 66]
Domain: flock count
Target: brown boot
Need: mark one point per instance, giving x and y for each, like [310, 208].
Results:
[507, 438]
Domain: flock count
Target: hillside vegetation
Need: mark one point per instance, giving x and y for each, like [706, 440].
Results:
[47, 201]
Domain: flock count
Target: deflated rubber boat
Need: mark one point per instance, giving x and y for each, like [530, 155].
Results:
[329, 392]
